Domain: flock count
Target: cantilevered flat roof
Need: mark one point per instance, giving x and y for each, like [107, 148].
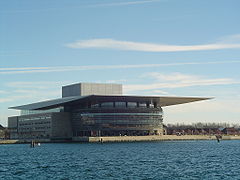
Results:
[48, 104]
[162, 100]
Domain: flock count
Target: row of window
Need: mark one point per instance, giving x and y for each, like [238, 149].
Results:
[21, 119]
[42, 122]
[123, 122]
[34, 128]
[25, 135]
[27, 112]
[36, 123]
[124, 104]
[121, 114]
[44, 127]
[131, 118]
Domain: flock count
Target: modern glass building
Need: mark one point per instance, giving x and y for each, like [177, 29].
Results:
[88, 109]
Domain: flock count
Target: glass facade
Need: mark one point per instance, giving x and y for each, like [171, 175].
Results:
[117, 118]
[98, 116]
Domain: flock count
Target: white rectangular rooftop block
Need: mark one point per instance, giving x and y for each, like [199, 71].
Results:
[85, 89]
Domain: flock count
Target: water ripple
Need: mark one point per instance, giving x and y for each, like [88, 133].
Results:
[125, 161]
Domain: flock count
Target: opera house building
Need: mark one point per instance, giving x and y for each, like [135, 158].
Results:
[92, 109]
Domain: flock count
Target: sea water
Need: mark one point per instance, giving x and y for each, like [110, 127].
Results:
[141, 160]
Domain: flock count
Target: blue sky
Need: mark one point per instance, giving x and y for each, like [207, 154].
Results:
[153, 47]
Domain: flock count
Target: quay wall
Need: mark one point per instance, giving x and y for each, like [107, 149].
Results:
[150, 138]
[124, 139]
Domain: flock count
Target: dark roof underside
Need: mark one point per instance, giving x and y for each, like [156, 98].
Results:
[163, 101]
[48, 104]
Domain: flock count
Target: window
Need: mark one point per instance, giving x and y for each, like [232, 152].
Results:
[107, 104]
[120, 104]
[151, 105]
[142, 104]
[132, 104]
[94, 105]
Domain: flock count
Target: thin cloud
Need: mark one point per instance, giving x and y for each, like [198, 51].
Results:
[36, 85]
[15, 98]
[206, 82]
[25, 70]
[177, 80]
[2, 92]
[124, 3]
[216, 106]
[171, 77]
[147, 47]
[3, 100]
[97, 5]
[116, 81]
[31, 91]
[156, 92]
[235, 38]
[30, 97]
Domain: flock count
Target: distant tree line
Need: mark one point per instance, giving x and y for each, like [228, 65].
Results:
[203, 125]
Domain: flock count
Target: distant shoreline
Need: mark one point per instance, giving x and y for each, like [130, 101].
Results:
[124, 139]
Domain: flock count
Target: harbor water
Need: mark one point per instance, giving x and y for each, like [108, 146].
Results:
[140, 160]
